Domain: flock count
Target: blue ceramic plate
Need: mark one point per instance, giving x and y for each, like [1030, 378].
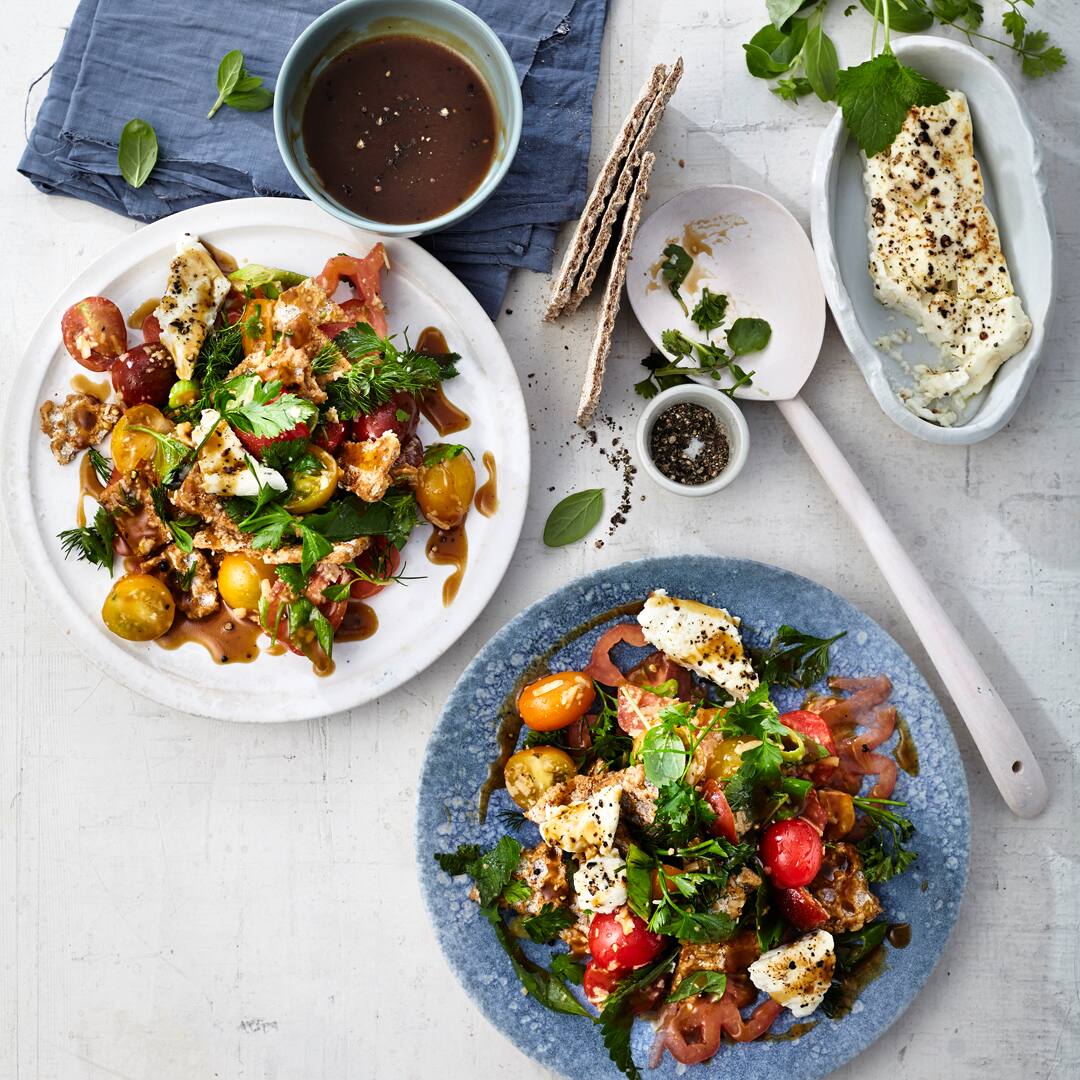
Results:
[463, 743]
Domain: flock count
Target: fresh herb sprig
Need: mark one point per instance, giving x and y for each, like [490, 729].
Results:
[180, 527]
[101, 465]
[795, 658]
[676, 265]
[238, 89]
[883, 850]
[92, 543]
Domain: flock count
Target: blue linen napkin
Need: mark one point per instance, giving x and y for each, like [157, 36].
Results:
[99, 81]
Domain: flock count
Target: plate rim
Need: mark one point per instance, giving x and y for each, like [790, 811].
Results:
[498, 642]
[21, 409]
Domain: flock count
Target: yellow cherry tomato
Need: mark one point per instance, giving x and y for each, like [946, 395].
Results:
[239, 580]
[444, 491]
[555, 701]
[129, 448]
[840, 811]
[138, 608]
[258, 325]
[727, 757]
[529, 773]
[311, 490]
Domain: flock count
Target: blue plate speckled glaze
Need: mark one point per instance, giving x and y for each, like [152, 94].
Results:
[463, 743]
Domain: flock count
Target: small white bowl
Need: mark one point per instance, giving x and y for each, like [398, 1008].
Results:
[728, 415]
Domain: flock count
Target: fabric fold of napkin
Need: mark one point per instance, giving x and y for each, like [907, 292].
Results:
[98, 83]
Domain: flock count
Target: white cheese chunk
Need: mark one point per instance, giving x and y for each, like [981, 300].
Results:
[225, 467]
[194, 292]
[702, 638]
[600, 883]
[797, 975]
[935, 255]
[585, 828]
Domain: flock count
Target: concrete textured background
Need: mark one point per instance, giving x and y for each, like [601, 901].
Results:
[183, 898]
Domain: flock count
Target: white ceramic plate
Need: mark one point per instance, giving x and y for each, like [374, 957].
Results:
[414, 627]
[750, 259]
[1011, 159]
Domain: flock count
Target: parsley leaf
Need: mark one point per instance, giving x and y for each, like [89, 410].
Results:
[565, 967]
[875, 97]
[544, 926]
[681, 815]
[676, 265]
[795, 659]
[440, 452]
[709, 311]
[258, 408]
[883, 852]
[171, 453]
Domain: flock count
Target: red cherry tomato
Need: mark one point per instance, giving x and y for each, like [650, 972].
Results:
[724, 822]
[256, 444]
[364, 275]
[151, 330]
[620, 941]
[329, 435]
[380, 561]
[306, 643]
[355, 311]
[809, 723]
[599, 982]
[800, 909]
[94, 332]
[791, 853]
[400, 415]
[144, 375]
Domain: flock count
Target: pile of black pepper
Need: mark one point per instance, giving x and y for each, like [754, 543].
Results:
[688, 427]
[619, 458]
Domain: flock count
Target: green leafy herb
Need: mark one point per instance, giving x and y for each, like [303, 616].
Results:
[856, 945]
[795, 659]
[657, 365]
[440, 452]
[768, 923]
[260, 408]
[681, 815]
[774, 50]
[792, 89]
[221, 351]
[565, 967]
[748, 336]
[609, 743]
[617, 1017]
[514, 819]
[883, 852]
[238, 89]
[137, 152]
[574, 517]
[171, 453]
[782, 10]
[757, 717]
[709, 311]
[663, 752]
[820, 62]
[291, 456]
[93, 543]
[101, 465]
[179, 528]
[676, 265]
[379, 370]
[699, 982]
[544, 926]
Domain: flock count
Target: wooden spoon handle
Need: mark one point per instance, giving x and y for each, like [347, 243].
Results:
[997, 735]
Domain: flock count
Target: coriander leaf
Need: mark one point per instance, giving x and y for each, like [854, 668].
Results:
[710, 310]
[699, 982]
[820, 62]
[748, 335]
[875, 97]
[137, 152]
[517, 892]
[440, 452]
[544, 926]
[92, 543]
[676, 264]
[795, 659]
[574, 517]
[565, 967]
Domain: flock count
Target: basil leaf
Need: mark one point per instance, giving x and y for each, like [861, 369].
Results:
[782, 10]
[699, 982]
[229, 71]
[748, 335]
[664, 756]
[251, 100]
[771, 52]
[820, 63]
[137, 152]
[574, 517]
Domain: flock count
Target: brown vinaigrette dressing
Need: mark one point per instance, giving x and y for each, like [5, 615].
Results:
[359, 624]
[796, 1031]
[899, 935]
[83, 384]
[89, 484]
[226, 263]
[443, 415]
[140, 314]
[226, 638]
[905, 753]
[449, 547]
[487, 497]
[509, 729]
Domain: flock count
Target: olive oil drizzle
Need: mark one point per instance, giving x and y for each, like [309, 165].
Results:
[509, 729]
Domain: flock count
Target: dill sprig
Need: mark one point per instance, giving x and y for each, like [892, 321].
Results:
[101, 464]
[93, 543]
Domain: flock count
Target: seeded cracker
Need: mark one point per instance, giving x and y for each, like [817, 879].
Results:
[581, 242]
[609, 308]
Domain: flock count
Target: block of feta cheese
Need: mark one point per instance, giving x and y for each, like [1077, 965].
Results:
[702, 638]
[225, 467]
[936, 256]
[797, 975]
[600, 883]
[585, 828]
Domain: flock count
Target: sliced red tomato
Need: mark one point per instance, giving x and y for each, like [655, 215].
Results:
[329, 435]
[380, 561]
[620, 941]
[601, 667]
[809, 723]
[94, 332]
[365, 277]
[355, 311]
[598, 983]
[724, 822]
[400, 415]
[791, 853]
[657, 669]
[799, 908]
